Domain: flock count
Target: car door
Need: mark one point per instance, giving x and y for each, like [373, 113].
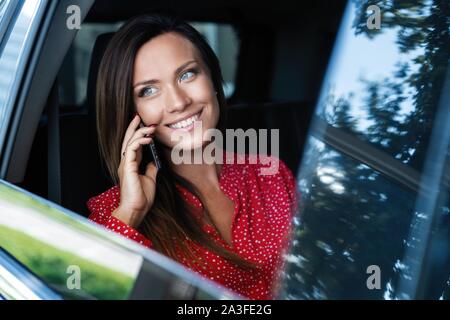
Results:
[48, 252]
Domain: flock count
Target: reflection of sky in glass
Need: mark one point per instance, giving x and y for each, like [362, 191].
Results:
[359, 58]
[29, 7]
[3, 6]
[11, 58]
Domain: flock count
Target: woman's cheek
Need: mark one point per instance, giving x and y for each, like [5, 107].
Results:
[201, 90]
[163, 135]
[150, 114]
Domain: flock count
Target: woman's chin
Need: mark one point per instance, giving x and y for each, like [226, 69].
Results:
[189, 146]
[190, 151]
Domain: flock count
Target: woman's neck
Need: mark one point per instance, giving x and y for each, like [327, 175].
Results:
[204, 176]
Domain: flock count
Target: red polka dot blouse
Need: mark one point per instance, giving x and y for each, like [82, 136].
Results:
[261, 225]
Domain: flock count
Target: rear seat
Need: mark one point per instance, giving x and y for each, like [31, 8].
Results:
[291, 118]
[82, 172]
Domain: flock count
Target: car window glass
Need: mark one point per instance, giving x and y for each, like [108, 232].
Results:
[384, 87]
[437, 274]
[3, 6]
[73, 258]
[352, 217]
[224, 41]
[384, 83]
[16, 47]
[427, 259]
[441, 281]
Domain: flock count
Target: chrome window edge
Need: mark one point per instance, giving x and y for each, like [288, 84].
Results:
[33, 96]
[10, 11]
[26, 50]
[19, 283]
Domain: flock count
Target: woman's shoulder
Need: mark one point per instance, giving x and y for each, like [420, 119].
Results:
[106, 201]
[268, 171]
[264, 166]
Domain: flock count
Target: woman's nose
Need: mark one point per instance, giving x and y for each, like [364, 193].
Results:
[177, 99]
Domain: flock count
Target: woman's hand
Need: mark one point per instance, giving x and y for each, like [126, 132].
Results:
[137, 192]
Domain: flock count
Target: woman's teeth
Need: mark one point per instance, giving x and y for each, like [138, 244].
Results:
[184, 123]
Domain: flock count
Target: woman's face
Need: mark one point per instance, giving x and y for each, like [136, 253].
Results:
[172, 88]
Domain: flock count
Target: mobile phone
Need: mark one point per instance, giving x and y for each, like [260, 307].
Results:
[153, 153]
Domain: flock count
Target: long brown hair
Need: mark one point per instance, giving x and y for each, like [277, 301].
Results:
[170, 224]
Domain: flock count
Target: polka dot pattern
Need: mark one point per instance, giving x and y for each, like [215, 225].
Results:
[261, 225]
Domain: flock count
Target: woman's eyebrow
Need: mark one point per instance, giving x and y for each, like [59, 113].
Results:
[178, 70]
[184, 65]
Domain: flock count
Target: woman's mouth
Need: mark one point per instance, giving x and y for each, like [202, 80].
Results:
[186, 124]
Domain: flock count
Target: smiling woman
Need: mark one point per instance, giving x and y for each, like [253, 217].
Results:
[225, 221]
[182, 93]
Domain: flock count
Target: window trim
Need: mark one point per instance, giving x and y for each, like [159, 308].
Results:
[18, 79]
[368, 154]
[23, 282]
[5, 22]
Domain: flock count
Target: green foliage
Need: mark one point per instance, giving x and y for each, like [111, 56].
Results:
[50, 264]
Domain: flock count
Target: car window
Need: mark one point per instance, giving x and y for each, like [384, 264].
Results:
[73, 75]
[19, 283]
[224, 41]
[77, 259]
[438, 283]
[4, 4]
[16, 46]
[385, 84]
[74, 71]
[427, 260]
[432, 232]
[373, 198]
[70, 256]
[352, 217]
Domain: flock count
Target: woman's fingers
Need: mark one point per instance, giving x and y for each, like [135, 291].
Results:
[134, 146]
[130, 131]
[142, 132]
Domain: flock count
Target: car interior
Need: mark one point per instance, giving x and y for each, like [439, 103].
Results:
[283, 52]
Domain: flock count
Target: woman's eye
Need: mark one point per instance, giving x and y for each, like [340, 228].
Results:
[187, 75]
[147, 91]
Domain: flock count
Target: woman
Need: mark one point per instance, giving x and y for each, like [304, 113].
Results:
[224, 221]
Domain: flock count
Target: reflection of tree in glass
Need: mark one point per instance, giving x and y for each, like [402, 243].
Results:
[352, 216]
[420, 24]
